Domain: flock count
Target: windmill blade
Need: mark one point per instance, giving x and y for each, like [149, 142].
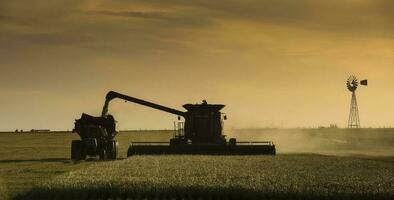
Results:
[352, 83]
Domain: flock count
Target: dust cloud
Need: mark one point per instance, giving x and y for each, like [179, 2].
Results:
[329, 141]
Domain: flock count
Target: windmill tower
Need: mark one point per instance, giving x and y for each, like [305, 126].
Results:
[352, 84]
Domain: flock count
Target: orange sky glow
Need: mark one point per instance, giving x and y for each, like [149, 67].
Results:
[272, 63]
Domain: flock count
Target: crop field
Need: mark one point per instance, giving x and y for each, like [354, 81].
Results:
[282, 176]
[37, 166]
[27, 159]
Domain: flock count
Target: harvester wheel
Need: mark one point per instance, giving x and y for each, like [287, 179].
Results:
[77, 150]
[112, 150]
[273, 151]
[174, 142]
[129, 153]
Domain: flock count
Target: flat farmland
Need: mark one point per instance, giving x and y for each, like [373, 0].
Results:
[37, 166]
[29, 159]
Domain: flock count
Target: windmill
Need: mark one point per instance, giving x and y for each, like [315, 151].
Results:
[352, 84]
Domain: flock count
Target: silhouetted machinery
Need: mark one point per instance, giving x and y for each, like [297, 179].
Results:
[201, 133]
[97, 138]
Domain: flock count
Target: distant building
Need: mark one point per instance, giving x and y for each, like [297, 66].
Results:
[333, 126]
[40, 130]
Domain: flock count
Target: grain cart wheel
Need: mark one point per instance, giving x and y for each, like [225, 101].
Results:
[103, 154]
[77, 150]
[112, 149]
[116, 149]
[232, 142]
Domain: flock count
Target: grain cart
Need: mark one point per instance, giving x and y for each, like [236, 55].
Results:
[97, 138]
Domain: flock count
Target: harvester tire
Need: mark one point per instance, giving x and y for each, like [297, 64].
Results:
[77, 150]
[273, 151]
[130, 151]
[112, 150]
[174, 142]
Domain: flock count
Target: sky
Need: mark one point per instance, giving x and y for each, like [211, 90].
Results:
[273, 63]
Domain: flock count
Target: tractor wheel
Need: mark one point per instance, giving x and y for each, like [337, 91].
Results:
[77, 150]
[232, 142]
[112, 149]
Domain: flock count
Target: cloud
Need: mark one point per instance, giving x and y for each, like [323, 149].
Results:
[164, 18]
[371, 17]
[145, 27]
[135, 14]
[177, 22]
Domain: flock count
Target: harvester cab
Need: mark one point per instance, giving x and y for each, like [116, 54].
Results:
[203, 123]
[202, 133]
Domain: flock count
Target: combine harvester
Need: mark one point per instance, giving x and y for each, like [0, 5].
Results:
[200, 133]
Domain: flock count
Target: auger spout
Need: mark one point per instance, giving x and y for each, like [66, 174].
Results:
[113, 95]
